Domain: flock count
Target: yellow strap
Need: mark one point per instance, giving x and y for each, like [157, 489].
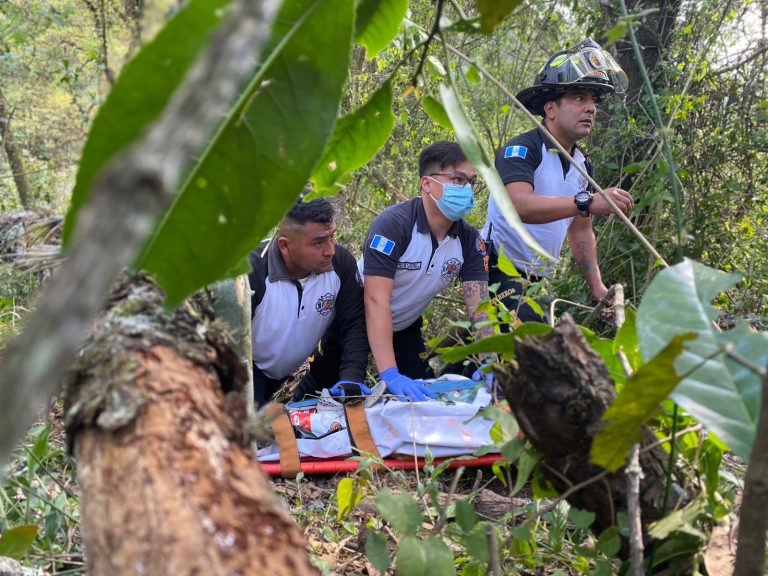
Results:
[357, 424]
[290, 464]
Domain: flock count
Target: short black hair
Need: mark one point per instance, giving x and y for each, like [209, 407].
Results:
[440, 155]
[319, 211]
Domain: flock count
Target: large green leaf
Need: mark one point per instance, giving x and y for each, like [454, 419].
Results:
[473, 148]
[492, 12]
[434, 109]
[638, 401]
[142, 91]
[400, 510]
[16, 542]
[415, 558]
[262, 155]
[378, 22]
[356, 139]
[722, 395]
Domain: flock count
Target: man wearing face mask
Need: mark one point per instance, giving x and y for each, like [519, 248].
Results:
[412, 251]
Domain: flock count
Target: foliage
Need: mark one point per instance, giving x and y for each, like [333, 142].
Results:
[355, 126]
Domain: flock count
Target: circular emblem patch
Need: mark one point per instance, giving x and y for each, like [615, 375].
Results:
[451, 269]
[324, 304]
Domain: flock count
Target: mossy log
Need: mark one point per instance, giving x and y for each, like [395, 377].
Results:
[154, 415]
[558, 389]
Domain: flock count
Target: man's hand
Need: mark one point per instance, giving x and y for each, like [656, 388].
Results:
[484, 374]
[344, 388]
[620, 197]
[403, 386]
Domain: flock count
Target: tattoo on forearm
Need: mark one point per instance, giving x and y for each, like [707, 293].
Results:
[582, 259]
[474, 292]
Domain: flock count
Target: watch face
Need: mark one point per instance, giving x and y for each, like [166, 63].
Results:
[582, 197]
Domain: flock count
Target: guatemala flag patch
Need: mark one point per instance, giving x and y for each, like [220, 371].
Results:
[515, 152]
[382, 244]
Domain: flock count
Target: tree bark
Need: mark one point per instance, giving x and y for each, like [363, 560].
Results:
[166, 484]
[558, 389]
[12, 152]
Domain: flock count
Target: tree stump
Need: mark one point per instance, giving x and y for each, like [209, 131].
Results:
[558, 389]
[166, 485]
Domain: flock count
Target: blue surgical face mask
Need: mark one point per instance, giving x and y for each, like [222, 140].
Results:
[457, 201]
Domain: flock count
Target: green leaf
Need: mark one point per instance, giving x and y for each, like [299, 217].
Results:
[425, 558]
[616, 33]
[499, 343]
[400, 511]
[472, 75]
[465, 515]
[16, 542]
[377, 551]
[141, 93]
[637, 402]
[492, 12]
[476, 543]
[506, 265]
[680, 520]
[721, 395]
[609, 541]
[581, 518]
[356, 139]
[626, 340]
[378, 22]
[348, 495]
[525, 465]
[436, 112]
[471, 145]
[263, 153]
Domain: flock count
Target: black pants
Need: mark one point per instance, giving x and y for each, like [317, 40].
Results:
[411, 352]
[510, 292]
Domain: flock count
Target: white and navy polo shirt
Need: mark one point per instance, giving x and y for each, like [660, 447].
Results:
[528, 158]
[401, 246]
[288, 317]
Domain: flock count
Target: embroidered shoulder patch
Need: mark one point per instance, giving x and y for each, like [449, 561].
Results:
[515, 152]
[382, 244]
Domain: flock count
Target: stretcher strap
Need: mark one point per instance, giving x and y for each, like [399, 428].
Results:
[285, 439]
[357, 424]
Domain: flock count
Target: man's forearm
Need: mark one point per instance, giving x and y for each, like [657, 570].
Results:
[474, 293]
[379, 329]
[585, 254]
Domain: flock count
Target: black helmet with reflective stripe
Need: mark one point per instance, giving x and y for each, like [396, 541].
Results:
[585, 66]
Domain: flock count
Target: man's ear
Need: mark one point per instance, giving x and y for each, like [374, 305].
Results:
[548, 107]
[282, 244]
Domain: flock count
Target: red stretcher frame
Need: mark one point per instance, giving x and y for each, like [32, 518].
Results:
[348, 466]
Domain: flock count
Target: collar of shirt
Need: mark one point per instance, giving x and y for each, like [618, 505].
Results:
[275, 263]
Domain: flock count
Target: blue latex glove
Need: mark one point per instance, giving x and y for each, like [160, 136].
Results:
[400, 385]
[344, 387]
[480, 375]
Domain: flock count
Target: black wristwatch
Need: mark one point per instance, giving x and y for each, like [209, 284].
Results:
[582, 200]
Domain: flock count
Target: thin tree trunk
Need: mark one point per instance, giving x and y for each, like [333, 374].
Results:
[12, 152]
[558, 389]
[166, 484]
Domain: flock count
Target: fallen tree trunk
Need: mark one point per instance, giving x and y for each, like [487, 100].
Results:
[558, 389]
[167, 486]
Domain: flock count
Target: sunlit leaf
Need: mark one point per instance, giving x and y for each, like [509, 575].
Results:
[500, 343]
[680, 520]
[638, 401]
[476, 154]
[626, 340]
[722, 395]
[263, 154]
[492, 12]
[348, 495]
[377, 23]
[506, 265]
[142, 91]
[356, 139]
